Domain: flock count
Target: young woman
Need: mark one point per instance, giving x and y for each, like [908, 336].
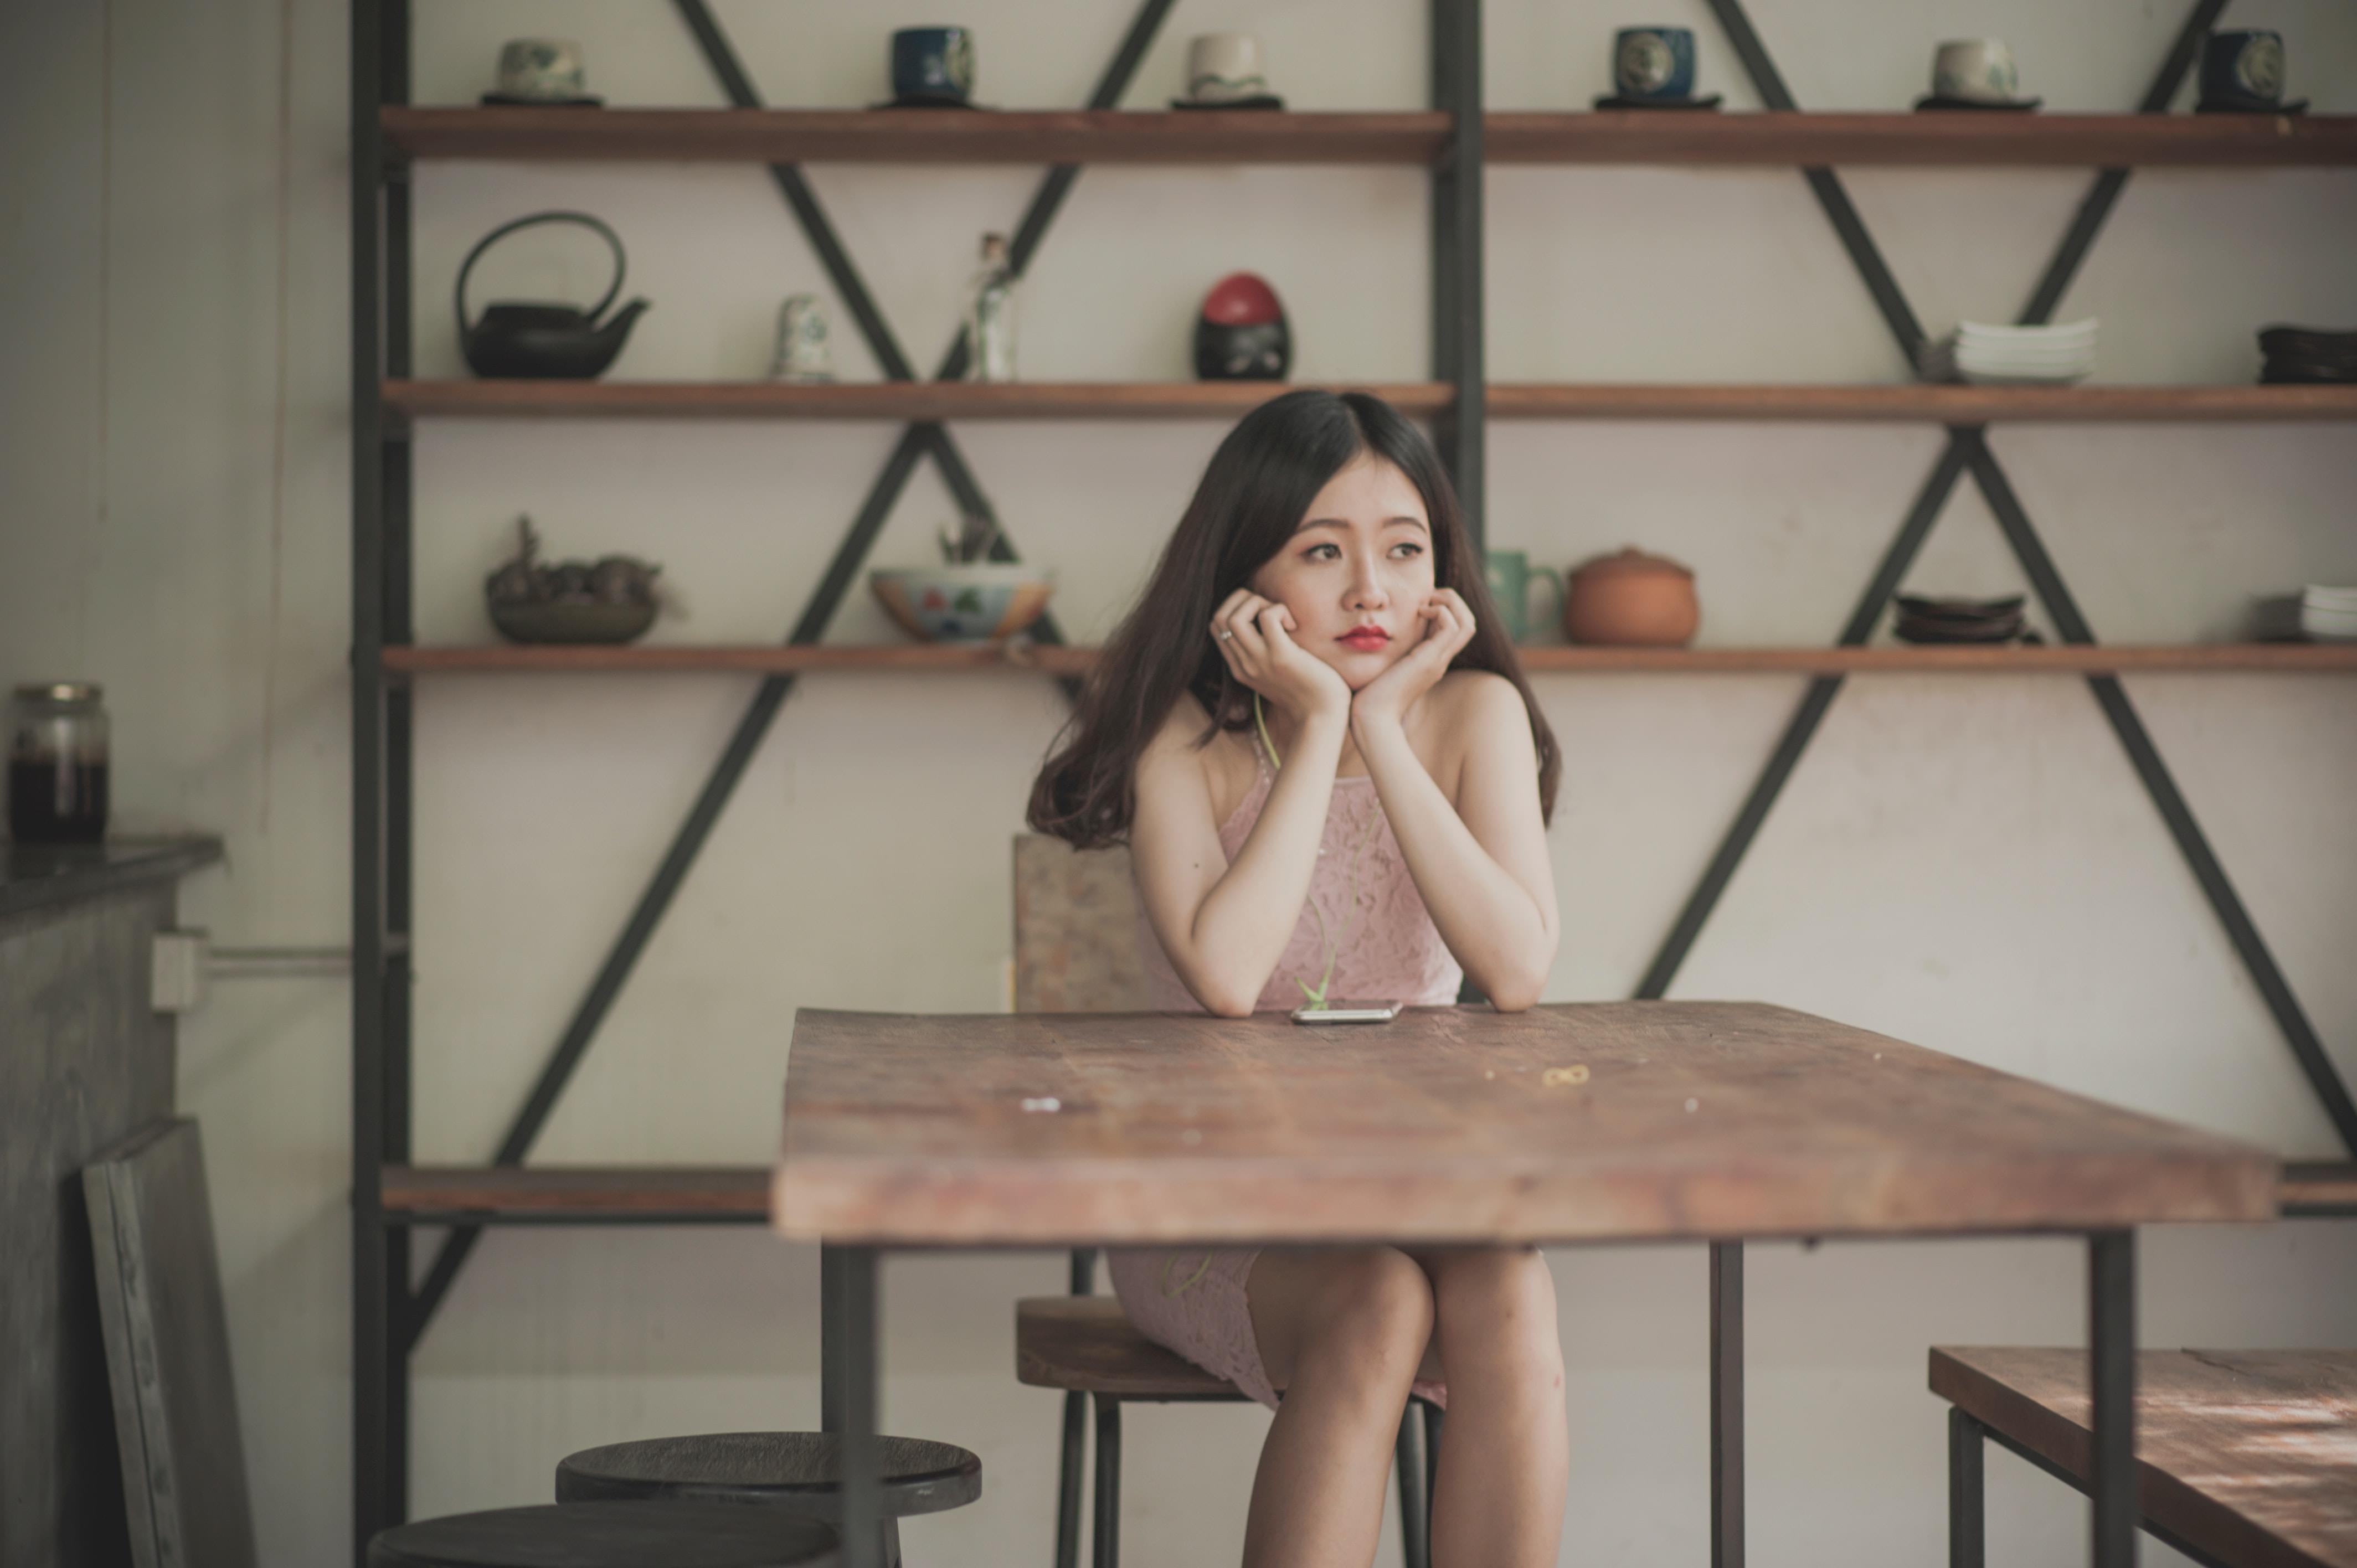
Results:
[1335, 783]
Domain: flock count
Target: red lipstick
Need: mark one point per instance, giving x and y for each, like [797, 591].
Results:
[1366, 639]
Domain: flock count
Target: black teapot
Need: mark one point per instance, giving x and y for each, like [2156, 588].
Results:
[536, 340]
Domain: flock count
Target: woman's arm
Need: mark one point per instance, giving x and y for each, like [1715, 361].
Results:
[1224, 926]
[1480, 863]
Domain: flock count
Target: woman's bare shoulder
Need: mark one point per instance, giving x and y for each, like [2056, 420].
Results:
[1465, 702]
[1177, 752]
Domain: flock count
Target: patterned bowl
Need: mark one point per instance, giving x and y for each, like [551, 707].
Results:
[988, 601]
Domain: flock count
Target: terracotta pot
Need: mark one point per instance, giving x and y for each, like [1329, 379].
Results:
[1631, 600]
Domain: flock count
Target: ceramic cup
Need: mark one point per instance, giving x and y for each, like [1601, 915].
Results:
[1653, 62]
[932, 64]
[802, 354]
[1509, 575]
[541, 71]
[2243, 69]
[1977, 71]
[1225, 67]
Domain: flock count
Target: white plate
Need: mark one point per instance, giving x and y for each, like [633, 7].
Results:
[2058, 332]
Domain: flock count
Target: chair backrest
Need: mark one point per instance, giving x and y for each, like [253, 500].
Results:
[1075, 929]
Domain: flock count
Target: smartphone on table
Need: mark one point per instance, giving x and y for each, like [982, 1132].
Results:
[1348, 1011]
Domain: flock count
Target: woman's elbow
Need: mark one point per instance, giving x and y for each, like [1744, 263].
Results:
[1514, 992]
[1223, 1001]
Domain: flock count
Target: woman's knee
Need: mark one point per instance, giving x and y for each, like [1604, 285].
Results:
[1498, 1301]
[1375, 1307]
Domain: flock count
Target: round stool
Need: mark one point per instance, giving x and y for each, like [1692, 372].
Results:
[609, 1535]
[797, 1473]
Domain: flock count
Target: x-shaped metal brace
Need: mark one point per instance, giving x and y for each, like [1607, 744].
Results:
[1967, 451]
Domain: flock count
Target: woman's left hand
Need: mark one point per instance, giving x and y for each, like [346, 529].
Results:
[1447, 627]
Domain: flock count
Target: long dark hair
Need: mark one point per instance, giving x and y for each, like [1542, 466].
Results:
[1253, 495]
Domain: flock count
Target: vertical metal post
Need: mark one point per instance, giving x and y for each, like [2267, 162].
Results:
[1727, 1404]
[1457, 308]
[848, 1351]
[1968, 1511]
[1435, 1419]
[373, 1507]
[1107, 1546]
[1068, 1479]
[2110, 1364]
[399, 627]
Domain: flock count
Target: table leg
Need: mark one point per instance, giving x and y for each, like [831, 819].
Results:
[1727, 1404]
[1967, 1505]
[848, 1369]
[2111, 1355]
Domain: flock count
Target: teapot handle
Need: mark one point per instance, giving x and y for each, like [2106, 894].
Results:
[613, 242]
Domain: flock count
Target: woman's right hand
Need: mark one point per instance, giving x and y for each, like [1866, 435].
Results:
[1252, 634]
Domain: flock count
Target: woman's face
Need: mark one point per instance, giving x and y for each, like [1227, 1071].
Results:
[1357, 570]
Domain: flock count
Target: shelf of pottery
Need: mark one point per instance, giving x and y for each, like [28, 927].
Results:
[543, 359]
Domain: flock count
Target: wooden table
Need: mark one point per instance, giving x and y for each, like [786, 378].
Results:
[1608, 1122]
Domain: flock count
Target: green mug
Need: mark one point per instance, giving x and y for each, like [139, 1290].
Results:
[1509, 575]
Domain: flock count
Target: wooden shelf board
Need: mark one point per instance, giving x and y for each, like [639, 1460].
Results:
[406, 401]
[2280, 658]
[1638, 137]
[1917, 401]
[1122, 137]
[913, 135]
[580, 1193]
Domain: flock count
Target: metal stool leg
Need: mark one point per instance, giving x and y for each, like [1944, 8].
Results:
[1967, 1518]
[1108, 1520]
[1432, 1419]
[1415, 1542]
[1068, 1481]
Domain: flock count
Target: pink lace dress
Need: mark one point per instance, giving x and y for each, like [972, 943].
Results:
[1192, 1299]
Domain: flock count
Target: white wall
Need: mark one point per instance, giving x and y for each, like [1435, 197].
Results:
[1969, 864]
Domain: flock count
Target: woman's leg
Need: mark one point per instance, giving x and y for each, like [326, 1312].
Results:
[1505, 1463]
[1341, 1331]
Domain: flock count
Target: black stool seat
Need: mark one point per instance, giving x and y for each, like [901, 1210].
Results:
[609, 1535]
[800, 1472]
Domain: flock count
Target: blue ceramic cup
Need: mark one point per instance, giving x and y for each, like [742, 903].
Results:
[1653, 62]
[2243, 69]
[932, 65]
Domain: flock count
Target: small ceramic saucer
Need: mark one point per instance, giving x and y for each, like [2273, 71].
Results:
[1933, 101]
[1258, 101]
[509, 99]
[1614, 100]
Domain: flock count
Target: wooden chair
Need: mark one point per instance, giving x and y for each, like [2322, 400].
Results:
[2245, 1458]
[1076, 951]
[798, 1474]
[609, 1535]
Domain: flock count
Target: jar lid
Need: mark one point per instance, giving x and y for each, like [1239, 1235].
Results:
[60, 691]
[1631, 562]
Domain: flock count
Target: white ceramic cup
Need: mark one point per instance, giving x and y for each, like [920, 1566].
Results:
[1224, 68]
[1977, 70]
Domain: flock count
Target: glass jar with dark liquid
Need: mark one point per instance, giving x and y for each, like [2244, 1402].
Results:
[57, 764]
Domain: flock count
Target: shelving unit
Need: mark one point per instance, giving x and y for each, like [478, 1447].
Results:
[1454, 143]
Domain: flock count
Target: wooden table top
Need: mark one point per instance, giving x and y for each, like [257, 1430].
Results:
[2250, 1456]
[1620, 1121]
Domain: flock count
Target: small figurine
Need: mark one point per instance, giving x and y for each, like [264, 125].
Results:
[802, 354]
[1242, 335]
[990, 316]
